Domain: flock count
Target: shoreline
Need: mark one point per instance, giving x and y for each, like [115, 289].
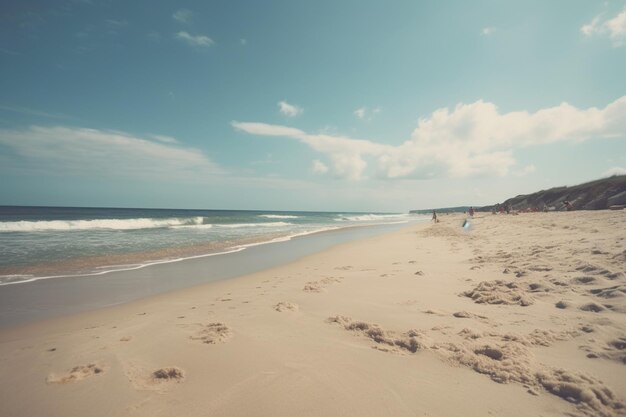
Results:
[97, 264]
[83, 292]
[521, 315]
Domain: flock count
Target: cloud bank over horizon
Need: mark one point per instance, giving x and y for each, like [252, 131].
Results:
[81, 151]
[469, 140]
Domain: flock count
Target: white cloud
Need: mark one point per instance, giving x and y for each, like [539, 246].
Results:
[290, 110]
[470, 140]
[614, 28]
[487, 31]
[614, 171]
[590, 27]
[197, 40]
[319, 167]
[81, 151]
[345, 153]
[617, 27]
[364, 113]
[165, 139]
[183, 16]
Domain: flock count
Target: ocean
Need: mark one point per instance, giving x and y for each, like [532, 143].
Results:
[49, 242]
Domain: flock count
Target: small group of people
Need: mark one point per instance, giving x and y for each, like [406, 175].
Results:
[501, 209]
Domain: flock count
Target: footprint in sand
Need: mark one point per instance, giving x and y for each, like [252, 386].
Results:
[285, 306]
[213, 333]
[320, 286]
[76, 374]
[499, 292]
[157, 380]
[386, 341]
[614, 350]
[171, 374]
[313, 286]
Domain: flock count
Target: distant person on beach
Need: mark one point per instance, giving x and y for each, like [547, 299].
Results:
[471, 211]
[435, 217]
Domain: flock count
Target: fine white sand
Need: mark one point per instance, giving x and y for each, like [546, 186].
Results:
[521, 315]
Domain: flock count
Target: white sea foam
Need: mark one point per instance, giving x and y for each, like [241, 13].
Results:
[369, 217]
[193, 226]
[111, 224]
[239, 225]
[278, 216]
[14, 278]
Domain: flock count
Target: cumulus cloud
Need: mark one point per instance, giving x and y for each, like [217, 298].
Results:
[469, 140]
[81, 151]
[290, 110]
[194, 40]
[183, 16]
[614, 28]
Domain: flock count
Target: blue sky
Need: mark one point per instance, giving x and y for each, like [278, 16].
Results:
[294, 105]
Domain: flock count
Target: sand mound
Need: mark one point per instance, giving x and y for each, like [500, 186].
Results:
[588, 393]
[77, 373]
[503, 362]
[213, 333]
[499, 292]
[285, 306]
[584, 280]
[592, 307]
[410, 341]
[507, 358]
[467, 315]
[539, 287]
[610, 292]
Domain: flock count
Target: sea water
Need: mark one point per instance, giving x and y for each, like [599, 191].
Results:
[43, 242]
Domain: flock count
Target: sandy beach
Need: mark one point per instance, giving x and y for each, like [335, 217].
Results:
[520, 315]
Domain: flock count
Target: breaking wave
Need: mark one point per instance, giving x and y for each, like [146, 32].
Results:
[278, 216]
[110, 224]
[238, 225]
[370, 217]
